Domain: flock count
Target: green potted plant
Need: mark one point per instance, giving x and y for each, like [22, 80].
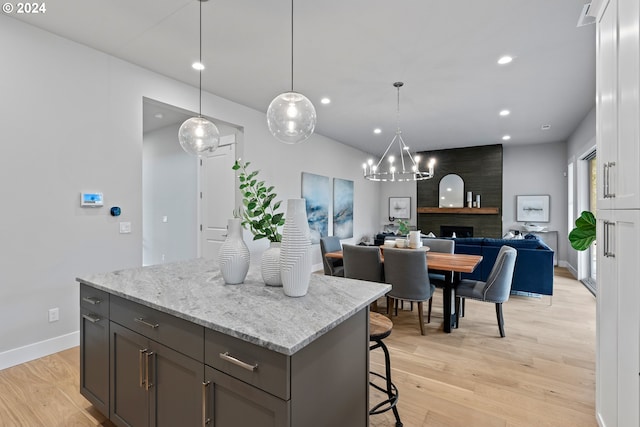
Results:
[584, 233]
[260, 216]
[403, 227]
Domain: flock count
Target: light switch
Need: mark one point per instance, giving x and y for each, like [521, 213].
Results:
[125, 227]
[165, 219]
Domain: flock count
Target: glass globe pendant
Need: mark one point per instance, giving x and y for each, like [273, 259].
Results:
[198, 136]
[291, 117]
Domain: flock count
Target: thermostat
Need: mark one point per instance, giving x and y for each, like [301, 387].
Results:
[92, 200]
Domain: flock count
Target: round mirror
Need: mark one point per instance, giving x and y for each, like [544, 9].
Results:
[451, 191]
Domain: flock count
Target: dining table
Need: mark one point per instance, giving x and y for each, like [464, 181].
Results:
[452, 265]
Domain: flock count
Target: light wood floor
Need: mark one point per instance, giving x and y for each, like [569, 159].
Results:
[541, 374]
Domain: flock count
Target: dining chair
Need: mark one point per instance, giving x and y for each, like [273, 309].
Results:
[497, 287]
[407, 272]
[446, 246]
[332, 267]
[363, 263]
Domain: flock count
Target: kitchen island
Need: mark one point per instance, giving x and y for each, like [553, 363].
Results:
[174, 345]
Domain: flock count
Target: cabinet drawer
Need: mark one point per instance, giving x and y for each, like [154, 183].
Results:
[94, 300]
[178, 334]
[263, 368]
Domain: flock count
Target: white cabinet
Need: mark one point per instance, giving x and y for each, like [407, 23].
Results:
[618, 105]
[618, 318]
[618, 216]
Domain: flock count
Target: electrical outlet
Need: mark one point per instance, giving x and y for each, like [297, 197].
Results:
[54, 314]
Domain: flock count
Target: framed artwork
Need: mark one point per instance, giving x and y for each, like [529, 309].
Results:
[342, 208]
[316, 190]
[532, 208]
[399, 208]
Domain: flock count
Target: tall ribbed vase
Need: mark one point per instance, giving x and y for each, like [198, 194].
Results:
[295, 250]
[234, 254]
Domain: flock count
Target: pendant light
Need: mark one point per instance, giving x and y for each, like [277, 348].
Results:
[291, 117]
[407, 170]
[197, 135]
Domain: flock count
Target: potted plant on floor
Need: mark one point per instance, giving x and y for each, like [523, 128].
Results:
[260, 216]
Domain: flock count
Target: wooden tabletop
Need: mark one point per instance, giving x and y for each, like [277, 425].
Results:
[461, 263]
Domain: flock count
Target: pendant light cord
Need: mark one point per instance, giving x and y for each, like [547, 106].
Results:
[398, 112]
[291, 45]
[201, 64]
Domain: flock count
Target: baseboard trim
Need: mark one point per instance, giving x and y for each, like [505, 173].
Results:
[572, 270]
[36, 350]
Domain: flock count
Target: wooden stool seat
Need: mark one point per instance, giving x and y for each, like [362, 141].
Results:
[380, 326]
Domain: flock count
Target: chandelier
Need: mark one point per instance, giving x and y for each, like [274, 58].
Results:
[408, 169]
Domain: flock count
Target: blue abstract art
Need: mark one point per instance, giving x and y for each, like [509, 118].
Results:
[316, 190]
[342, 208]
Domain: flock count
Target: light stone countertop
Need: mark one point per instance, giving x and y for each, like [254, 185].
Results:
[195, 291]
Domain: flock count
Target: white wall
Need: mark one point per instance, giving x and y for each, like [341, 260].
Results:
[169, 183]
[71, 121]
[581, 142]
[537, 169]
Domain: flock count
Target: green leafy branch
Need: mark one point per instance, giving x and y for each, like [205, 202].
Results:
[260, 214]
[584, 234]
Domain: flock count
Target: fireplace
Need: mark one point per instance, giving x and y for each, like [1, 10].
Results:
[461, 231]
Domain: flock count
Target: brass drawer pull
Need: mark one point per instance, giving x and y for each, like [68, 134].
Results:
[226, 356]
[205, 419]
[91, 318]
[92, 300]
[141, 367]
[144, 322]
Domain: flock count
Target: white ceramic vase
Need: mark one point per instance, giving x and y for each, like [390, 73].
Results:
[295, 253]
[234, 254]
[270, 265]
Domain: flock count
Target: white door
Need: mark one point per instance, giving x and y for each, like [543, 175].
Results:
[217, 196]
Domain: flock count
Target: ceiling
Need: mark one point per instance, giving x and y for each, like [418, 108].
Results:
[352, 51]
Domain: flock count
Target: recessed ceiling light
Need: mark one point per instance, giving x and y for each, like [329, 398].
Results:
[505, 113]
[506, 137]
[545, 127]
[158, 115]
[325, 101]
[505, 60]
[377, 131]
[198, 66]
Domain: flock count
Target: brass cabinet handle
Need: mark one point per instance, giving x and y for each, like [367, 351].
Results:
[141, 367]
[92, 300]
[91, 318]
[147, 381]
[144, 322]
[229, 358]
[205, 420]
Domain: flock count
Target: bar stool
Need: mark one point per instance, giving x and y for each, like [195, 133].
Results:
[379, 328]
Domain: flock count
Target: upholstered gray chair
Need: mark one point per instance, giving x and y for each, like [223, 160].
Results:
[332, 267]
[363, 263]
[497, 287]
[446, 246]
[407, 272]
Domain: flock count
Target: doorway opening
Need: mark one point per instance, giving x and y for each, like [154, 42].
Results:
[182, 199]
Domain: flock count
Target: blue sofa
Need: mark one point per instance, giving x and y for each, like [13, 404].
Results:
[534, 263]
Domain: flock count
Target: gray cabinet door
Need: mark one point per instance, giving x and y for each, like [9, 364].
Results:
[94, 359]
[233, 403]
[176, 391]
[129, 399]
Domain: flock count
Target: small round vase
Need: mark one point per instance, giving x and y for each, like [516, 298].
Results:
[295, 254]
[270, 265]
[234, 254]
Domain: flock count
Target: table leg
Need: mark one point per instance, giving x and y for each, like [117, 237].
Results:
[449, 303]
